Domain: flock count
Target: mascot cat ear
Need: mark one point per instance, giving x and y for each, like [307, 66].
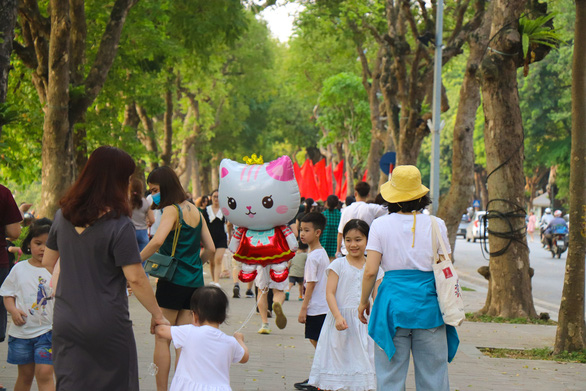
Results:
[224, 172]
[281, 169]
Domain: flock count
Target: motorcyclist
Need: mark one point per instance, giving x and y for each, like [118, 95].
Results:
[556, 226]
[545, 220]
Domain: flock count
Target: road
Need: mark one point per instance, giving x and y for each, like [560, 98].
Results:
[548, 279]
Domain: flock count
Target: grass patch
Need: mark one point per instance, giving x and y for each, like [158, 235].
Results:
[472, 317]
[466, 289]
[535, 354]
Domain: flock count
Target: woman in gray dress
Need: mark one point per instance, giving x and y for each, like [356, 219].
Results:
[94, 238]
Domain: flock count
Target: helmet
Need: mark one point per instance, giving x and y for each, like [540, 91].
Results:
[547, 210]
[557, 213]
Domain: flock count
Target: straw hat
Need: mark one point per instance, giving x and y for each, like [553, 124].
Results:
[404, 185]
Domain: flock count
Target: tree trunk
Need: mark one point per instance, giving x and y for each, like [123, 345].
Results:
[349, 170]
[454, 204]
[571, 330]
[215, 164]
[149, 138]
[481, 193]
[510, 282]
[168, 129]
[57, 165]
[195, 178]
[7, 23]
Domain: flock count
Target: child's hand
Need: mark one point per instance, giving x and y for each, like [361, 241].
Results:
[302, 316]
[341, 324]
[239, 337]
[18, 317]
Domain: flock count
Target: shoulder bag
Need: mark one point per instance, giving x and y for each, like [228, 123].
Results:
[164, 266]
[447, 283]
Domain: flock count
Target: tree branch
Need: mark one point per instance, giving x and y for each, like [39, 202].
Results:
[29, 9]
[26, 54]
[104, 58]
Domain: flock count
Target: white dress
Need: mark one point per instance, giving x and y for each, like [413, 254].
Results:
[344, 360]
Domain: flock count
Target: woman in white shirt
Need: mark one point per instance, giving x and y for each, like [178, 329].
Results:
[405, 316]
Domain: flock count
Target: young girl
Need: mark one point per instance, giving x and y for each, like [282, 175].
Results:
[203, 339]
[29, 300]
[344, 356]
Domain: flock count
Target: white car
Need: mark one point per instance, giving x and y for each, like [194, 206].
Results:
[475, 229]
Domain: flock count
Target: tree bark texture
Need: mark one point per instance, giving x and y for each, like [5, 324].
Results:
[7, 23]
[45, 50]
[168, 129]
[461, 192]
[510, 282]
[148, 138]
[56, 151]
[195, 174]
[571, 330]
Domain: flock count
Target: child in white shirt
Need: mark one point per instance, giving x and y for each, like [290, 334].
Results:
[29, 300]
[206, 352]
[314, 307]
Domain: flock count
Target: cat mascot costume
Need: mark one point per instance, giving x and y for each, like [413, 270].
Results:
[260, 199]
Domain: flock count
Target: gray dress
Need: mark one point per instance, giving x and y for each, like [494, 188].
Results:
[93, 342]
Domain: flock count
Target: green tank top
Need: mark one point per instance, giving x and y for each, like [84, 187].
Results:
[189, 268]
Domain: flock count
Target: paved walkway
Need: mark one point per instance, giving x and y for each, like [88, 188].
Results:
[282, 358]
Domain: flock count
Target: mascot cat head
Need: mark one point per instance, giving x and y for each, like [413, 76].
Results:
[258, 196]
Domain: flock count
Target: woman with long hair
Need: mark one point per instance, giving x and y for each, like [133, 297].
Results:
[93, 236]
[174, 295]
[142, 214]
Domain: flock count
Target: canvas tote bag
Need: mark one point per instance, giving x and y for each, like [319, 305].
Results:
[447, 283]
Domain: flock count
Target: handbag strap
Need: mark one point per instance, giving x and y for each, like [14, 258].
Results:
[177, 231]
[436, 237]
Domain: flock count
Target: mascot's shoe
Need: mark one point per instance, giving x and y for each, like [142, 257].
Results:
[279, 276]
[281, 319]
[264, 329]
[247, 277]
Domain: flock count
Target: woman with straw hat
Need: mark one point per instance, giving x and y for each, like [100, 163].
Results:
[406, 316]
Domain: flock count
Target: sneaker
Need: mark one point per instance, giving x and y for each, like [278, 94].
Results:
[281, 319]
[215, 284]
[286, 296]
[236, 291]
[300, 298]
[249, 293]
[264, 329]
[269, 314]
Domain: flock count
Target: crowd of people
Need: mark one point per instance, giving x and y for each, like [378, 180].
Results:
[363, 271]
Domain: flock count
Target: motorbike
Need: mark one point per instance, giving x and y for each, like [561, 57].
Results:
[559, 244]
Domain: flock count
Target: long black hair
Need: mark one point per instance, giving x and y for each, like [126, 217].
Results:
[38, 227]
[409, 206]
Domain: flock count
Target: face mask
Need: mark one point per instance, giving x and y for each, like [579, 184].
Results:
[157, 198]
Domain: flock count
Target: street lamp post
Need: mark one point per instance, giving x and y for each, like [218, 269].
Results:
[436, 109]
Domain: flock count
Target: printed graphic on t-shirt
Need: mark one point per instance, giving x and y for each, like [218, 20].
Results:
[43, 296]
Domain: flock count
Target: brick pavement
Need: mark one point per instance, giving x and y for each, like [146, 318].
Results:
[282, 358]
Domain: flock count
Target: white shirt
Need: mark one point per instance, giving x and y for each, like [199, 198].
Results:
[359, 210]
[205, 360]
[29, 285]
[315, 271]
[391, 236]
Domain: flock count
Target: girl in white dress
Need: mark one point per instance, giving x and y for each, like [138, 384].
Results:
[206, 352]
[344, 356]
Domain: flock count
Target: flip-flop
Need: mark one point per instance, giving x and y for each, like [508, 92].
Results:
[281, 319]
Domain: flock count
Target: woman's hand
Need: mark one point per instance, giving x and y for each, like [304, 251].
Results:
[158, 321]
[361, 309]
[341, 324]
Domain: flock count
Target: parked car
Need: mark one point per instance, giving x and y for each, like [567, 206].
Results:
[475, 229]
[464, 222]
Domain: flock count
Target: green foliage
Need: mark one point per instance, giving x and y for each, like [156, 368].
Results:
[537, 31]
[473, 317]
[536, 354]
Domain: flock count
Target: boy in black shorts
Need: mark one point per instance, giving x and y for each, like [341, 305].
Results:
[315, 307]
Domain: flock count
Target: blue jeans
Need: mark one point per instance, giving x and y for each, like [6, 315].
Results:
[142, 237]
[430, 357]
